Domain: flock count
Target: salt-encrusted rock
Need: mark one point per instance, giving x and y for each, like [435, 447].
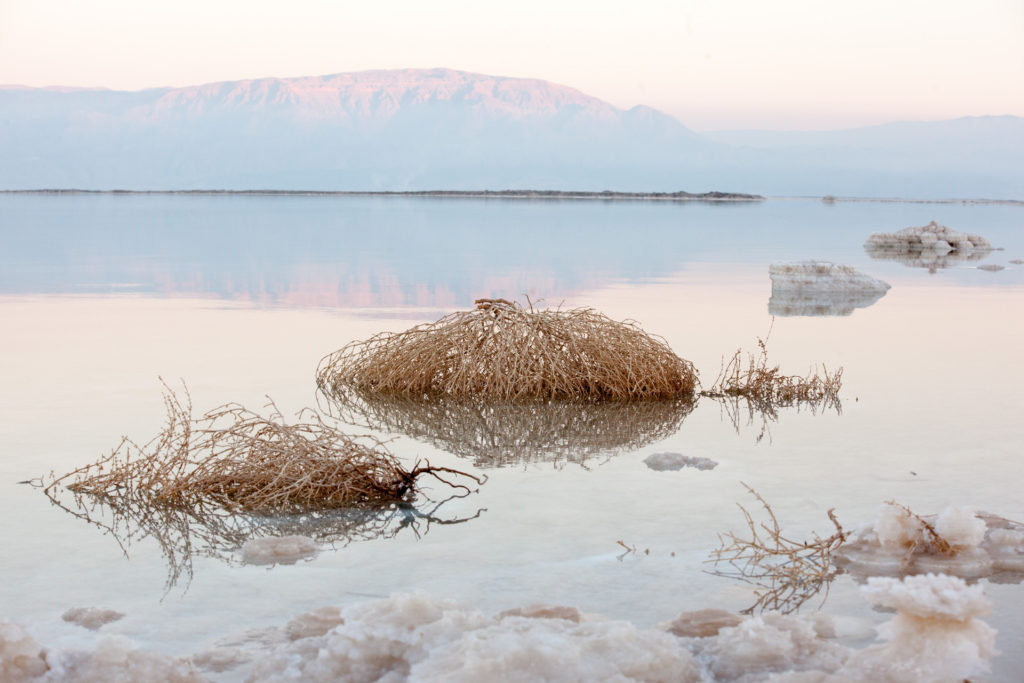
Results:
[898, 542]
[935, 635]
[931, 246]
[702, 623]
[91, 618]
[661, 462]
[278, 549]
[821, 288]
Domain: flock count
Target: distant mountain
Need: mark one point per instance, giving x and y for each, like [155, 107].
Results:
[444, 129]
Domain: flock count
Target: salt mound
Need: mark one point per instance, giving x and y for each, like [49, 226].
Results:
[820, 288]
[114, 659]
[278, 549]
[992, 267]
[929, 246]
[958, 541]
[21, 657]
[91, 618]
[934, 636]
[661, 462]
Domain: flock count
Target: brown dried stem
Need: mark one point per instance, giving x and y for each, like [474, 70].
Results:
[786, 572]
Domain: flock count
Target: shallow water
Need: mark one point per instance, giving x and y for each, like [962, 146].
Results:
[240, 297]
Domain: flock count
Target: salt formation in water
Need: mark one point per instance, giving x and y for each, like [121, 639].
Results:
[992, 267]
[957, 541]
[935, 636]
[91, 618]
[278, 550]
[503, 433]
[931, 246]
[23, 659]
[662, 462]
[818, 288]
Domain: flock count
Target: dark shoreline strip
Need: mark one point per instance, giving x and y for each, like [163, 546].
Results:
[446, 194]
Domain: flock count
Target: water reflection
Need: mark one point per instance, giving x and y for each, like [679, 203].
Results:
[796, 303]
[929, 259]
[501, 433]
[207, 530]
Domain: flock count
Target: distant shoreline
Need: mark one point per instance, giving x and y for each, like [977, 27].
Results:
[548, 195]
[444, 194]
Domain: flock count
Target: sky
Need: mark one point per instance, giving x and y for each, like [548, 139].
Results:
[727, 64]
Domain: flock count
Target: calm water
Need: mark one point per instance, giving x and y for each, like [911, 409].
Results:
[240, 298]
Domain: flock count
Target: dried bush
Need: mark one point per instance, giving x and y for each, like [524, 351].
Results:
[755, 380]
[504, 433]
[204, 487]
[501, 350]
[243, 461]
[785, 572]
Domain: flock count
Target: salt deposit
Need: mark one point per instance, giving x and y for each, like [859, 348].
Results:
[935, 636]
[813, 288]
[931, 246]
[900, 542]
[91, 618]
[22, 658]
[278, 549]
[661, 462]
[992, 267]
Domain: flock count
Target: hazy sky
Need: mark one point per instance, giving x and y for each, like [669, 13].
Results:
[713, 64]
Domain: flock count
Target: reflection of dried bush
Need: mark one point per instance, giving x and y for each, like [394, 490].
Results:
[500, 433]
[209, 530]
[238, 459]
[785, 572]
[501, 350]
[765, 388]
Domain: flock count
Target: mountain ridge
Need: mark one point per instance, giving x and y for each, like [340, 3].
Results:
[427, 129]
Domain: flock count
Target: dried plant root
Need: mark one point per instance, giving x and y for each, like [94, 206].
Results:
[501, 350]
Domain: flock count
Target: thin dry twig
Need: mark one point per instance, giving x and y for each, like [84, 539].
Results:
[785, 572]
[501, 350]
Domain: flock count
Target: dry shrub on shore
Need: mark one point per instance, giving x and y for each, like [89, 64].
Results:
[507, 433]
[243, 461]
[785, 572]
[501, 350]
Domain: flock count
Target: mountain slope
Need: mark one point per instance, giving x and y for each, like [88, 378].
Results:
[443, 129]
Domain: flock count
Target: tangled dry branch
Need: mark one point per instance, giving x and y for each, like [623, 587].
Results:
[504, 351]
[243, 461]
[785, 572]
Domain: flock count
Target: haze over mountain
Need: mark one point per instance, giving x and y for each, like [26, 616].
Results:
[443, 129]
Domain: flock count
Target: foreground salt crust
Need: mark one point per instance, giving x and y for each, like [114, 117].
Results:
[899, 542]
[821, 288]
[935, 636]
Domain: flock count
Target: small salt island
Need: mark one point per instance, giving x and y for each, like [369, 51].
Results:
[820, 288]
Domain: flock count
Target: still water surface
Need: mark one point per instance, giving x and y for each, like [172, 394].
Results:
[240, 298]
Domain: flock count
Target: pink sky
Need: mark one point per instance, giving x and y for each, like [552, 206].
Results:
[730, 64]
